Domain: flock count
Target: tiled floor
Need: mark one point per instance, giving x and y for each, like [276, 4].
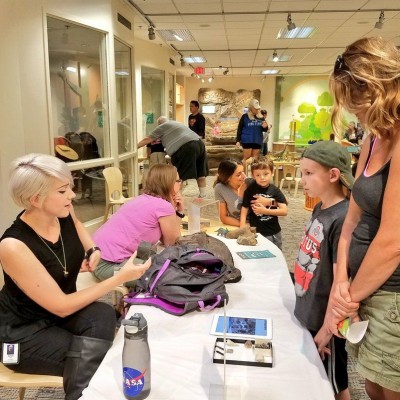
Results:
[292, 229]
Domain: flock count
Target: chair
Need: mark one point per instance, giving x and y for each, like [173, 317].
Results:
[9, 378]
[289, 176]
[114, 189]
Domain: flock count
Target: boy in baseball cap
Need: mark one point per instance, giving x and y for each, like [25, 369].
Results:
[326, 168]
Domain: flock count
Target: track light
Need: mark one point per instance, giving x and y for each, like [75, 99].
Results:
[226, 71]
[193, 75]
[379, 24]
[275, 57]
[210, 79]
[152, 34]
[183, 62]
[290, 25]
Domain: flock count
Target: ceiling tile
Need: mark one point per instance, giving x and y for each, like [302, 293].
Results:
[242, 35]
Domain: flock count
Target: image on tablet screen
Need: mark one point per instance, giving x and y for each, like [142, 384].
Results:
[243, 326]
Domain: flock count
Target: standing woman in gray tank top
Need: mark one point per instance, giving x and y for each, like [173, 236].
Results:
[366, 82]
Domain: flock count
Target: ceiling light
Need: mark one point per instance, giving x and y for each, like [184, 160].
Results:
[178, 38]
[226, 71]
[71, 69]
[202, 80]
[290, 25]
[175, 35]
[281, 58]
[297, 33]
[270, 71]
[275, 57]
[195, 60]
[152, 34]
[379, 24]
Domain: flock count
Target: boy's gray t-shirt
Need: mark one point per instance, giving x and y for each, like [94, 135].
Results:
[313, 270]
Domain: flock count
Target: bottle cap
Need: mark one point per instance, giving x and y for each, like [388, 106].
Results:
[135, 323]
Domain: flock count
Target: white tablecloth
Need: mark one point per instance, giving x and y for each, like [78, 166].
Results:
[181, 347]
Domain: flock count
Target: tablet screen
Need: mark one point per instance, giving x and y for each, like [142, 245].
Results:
[242, 327]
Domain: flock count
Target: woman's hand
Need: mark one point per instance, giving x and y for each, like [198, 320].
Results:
[340, 306]
[131, 271]
[178, 202]
[264, 125]
[90, 264]
[237, 144]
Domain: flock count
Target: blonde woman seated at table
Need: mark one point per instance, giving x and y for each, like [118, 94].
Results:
[153, 216]
[229, 187]
[54, 329]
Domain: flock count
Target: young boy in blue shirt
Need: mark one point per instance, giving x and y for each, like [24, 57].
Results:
[264, 202]
[326, 173]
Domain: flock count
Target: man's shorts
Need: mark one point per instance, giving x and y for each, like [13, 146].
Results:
[191, 160]
[336, 364]
[254, 146]
[378, 356]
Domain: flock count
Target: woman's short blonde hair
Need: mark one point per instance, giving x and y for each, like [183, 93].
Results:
[366, 79]
[33, 174]
[160, 181]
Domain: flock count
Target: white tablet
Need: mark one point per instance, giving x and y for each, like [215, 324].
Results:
[242, 327]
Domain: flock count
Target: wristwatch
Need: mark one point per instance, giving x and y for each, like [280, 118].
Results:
[179, 214]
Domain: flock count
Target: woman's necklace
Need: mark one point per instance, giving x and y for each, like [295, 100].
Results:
[63, 266]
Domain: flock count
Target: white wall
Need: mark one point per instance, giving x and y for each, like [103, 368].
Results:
[12, 141]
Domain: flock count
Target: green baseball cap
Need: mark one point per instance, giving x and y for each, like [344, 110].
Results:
[332, 155]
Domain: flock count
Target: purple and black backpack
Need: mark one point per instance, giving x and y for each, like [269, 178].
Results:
[181, 279]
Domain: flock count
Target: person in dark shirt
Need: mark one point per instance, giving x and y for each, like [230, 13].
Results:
[196, 121]
[59, 331]
[264, 217]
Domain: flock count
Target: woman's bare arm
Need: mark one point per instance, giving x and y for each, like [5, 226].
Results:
[170, 228]
[224, 217]
[32, 278]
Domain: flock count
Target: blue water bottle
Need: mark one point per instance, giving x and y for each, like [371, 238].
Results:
[136, 359]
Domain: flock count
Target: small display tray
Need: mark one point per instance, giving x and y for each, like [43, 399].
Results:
[255, 353]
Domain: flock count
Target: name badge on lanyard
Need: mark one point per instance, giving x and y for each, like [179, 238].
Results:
[10, 353]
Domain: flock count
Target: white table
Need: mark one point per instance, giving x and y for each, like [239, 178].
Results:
[181, 347]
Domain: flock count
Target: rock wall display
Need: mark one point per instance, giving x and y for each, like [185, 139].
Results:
[229, 107]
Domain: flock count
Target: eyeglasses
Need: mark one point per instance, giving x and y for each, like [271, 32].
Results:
[179, 181]
[340, 65]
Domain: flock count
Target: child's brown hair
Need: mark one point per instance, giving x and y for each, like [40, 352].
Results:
[264, 163]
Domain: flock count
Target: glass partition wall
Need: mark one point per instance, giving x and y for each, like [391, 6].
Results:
[152, 97]
[80, 111]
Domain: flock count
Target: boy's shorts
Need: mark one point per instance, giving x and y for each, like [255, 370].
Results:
[336, 364]
[378, 356]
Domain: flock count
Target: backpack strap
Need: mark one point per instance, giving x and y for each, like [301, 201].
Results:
[148, 300]
[210, 306]
[160, 272]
